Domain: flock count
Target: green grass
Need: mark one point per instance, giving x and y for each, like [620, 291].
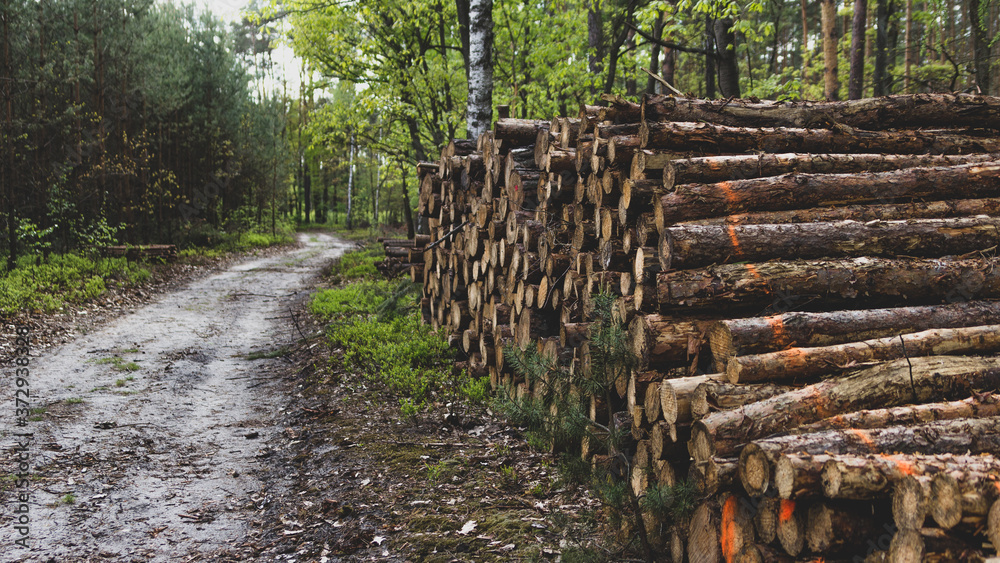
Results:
[49, 285]
[74, 400]
[68, 498]
[122, 382]
[118, 364]
[378, 328]
[359, 264]
[361, 298]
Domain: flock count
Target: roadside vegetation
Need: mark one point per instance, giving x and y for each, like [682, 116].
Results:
[376, 323]
[47, 282]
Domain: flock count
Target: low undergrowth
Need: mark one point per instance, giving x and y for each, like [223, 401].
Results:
[376, 324]
[51, 283]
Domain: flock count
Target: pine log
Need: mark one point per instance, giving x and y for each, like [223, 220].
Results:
[712, 474]
[909, 501]
[886, 112]
[865, 477]
[854, 476]
[788, 283]
[736, 528]
[837, 528]
[663, 341]
[964, 489]
[756, 335]
[715, 395]
[688, 202]
[898, 382]
[692, 246]
[519, 132]
[795, 475]
[676, 395]
[710, 169]
[722, 139]
[807, 363]
[766, 519]
[703, 534]
[977, 406]
[862, 212]
[792, 526]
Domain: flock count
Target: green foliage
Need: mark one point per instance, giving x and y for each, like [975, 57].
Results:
[673, 503]
[362, 298]
[358, 264]
[381, 336]
[413, 366]
[49, 284]
[118, 364]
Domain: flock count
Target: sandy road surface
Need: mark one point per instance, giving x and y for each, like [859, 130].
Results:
[160, 463]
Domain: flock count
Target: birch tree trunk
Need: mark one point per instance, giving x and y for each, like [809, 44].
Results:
[350, 182]
[479, 111]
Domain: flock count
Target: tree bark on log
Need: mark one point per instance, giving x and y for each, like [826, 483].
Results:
[714, 395]
[808, 363]
[963, 490]
[721, 139]
[863, 213]
[663, 341]
[687, 202]
[693, 246]
[785, 284]
[835, 528]
[884, 112]
[756, 335]
[676, 395]
[978, 406]
[711, 169]
[863, 477]
[898, 382]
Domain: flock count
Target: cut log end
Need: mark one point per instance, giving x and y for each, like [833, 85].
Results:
[755, 471]
[945, 501]
[703, 535]
[906, 546]
[993, 524]
[909, 503]
[791, 528]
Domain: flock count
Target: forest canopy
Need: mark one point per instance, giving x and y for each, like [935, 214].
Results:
[393, 77]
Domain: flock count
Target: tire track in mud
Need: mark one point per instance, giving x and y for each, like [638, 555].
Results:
[156, 427]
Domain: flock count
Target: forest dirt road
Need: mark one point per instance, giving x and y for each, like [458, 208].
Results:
[150, 434]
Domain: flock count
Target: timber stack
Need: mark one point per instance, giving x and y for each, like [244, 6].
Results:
[809, 291]
[403, 256]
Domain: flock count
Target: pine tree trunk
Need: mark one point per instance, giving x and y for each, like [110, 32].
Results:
[895, 383]
[862, 212]
[688, 202]
[871, 281]
[803, 364]
[758, 335]
[978, 406]
[831, 85]
[855, 88]
[712, 169]
[692, 246]
[722, 139]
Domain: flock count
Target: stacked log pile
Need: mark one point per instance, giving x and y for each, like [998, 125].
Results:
[403, 256]
[808, 290]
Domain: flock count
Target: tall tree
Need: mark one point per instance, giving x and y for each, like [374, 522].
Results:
[479, 110]
[855, 87]
[828, 14]
[980, 44]
[880, 74]
[729, 72]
